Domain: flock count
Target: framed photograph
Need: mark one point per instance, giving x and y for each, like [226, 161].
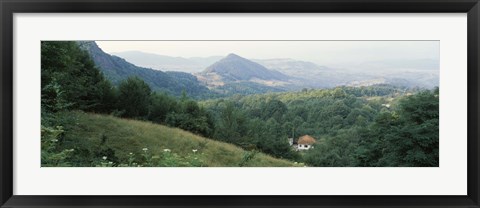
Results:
[265, 103]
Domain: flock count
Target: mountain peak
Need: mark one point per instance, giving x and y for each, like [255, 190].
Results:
[232, 55]
[236, 68]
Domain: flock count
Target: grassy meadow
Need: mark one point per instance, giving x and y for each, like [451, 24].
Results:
[128, 142]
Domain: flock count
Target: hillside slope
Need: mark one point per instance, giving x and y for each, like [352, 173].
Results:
[117, 69]
[87, 132]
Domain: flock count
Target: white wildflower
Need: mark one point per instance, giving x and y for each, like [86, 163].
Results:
[166, 150]
[110, 163]
[104, 157]
[145, 149]
[194, 150]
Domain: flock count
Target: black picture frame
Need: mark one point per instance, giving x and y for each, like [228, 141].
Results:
[10, 7]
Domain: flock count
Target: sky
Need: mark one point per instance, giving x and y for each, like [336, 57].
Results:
[331, 53]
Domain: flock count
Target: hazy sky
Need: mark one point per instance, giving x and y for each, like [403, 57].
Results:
[332, 53]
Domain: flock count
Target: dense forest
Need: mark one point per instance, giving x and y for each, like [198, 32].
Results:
[363, 126]
[378, 125]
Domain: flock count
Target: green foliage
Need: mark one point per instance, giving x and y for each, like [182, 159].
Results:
[52, 155]
[333, 151]
[161, 105]
[273, 109]
[132, 143]
[244, 88]
[70, 79]
[352, 128]
[414, 140]
[247, 156]
[187, 115]
[134, 98]
[231, 124]
[53, 98]
[236, 126]
[405, 137]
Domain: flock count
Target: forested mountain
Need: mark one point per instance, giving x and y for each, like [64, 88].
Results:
[235, 68]
[237, 75]
[117, 69]
[167, 63]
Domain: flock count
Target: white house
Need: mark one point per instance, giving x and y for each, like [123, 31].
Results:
[304, 143]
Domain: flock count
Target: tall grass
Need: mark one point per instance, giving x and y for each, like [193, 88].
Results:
[142, 140]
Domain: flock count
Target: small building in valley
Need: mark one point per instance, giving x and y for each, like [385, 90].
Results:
[305, 142]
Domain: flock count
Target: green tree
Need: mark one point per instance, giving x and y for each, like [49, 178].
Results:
[134, 98]
[274, 109]
[188, 115]
[407, 137]
[416, 140]
[70, 79]
[162, 104]
[336, 151]
[231, 124]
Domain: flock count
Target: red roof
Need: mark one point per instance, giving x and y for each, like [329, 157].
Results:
[306, 139]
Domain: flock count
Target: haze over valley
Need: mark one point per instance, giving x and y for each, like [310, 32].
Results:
[233, 73]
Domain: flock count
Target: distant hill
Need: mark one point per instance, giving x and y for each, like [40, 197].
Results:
[406, 73]
[423, 73]
[237, 74]
[292, 67]
[216, 76]
[167, 63]
[117, 69]
[124, 138]
[234, 74]
[306, 74]
[236, 68]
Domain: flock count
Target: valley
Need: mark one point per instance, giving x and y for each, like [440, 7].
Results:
[99, 109]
